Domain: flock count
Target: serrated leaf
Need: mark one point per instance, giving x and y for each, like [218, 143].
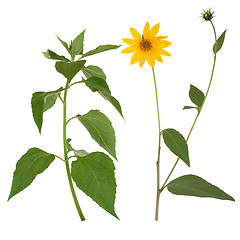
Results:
[69, 69]
[176, 143]
[41, 102]
[52, 55]
[99, 85]
[64, 44]
[192, 185]
[196, 95]
[93, 71]
[100, 129]
[99, 49]
[189, 107]
[219, 43]
[94, 175]
[77, 45]
[34, 162]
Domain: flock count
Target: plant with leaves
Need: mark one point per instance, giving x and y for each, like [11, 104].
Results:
[149, 47]
[92, 172]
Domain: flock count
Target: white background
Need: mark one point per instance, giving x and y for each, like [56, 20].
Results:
[45, 210]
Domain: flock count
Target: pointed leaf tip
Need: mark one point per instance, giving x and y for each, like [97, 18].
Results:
[219, 43]
[100, 129]
[40, 103]
[192, 185]
[32, 163]
[94, 175]
[196, 96]
[69, 69]
[176, 144]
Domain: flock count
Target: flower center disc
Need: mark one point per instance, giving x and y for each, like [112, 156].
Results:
[145, 45]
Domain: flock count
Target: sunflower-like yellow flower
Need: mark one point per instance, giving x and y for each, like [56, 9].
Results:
[146, 47]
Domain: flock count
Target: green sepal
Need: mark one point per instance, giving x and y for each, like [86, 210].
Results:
[34, 162]
[100, 129]
[176, 144]
[52, 55]
[219, 43]
[94, 175]
[69, 69]
[41, 102]
[99, 85]
[196, 96]
[99, 49]
[192, 185]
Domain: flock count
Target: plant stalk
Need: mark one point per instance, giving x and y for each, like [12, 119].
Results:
[159, 148]
[66, 155]
[199, 111]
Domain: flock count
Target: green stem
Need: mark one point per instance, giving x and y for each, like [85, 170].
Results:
[159, 148]
[199, 111]
[76, 83]
[59, 157]
[70, 119]
[66, 155]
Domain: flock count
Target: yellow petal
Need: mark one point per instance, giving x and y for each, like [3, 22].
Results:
[143, 57]
[164, 44]
[151, 59]
[163, 52]
[135, 57]
[157, 56]
[130, 41]
[146, 30]
[158, 38]
[130, 49]
[136, 35]
[153, 32]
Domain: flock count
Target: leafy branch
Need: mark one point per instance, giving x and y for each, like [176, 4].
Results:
[93, 173]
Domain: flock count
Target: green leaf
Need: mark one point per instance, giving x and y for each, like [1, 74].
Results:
[100, 129]
[41, 102]
[93, 71]
[69, 69]
[34, 162]
[99, 85]
[52, 55]
[77, 45]
[64, 44]
[99, 49]
[94, 175]
[176, 143]
[78, 153]
[69, 146]
[189, 107]
[196, 95]
[49, 101]
[192, 185]
[219, 43]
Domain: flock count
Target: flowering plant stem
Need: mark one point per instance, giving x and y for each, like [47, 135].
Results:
[66, 153]
[195, 120]
[159, 148]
